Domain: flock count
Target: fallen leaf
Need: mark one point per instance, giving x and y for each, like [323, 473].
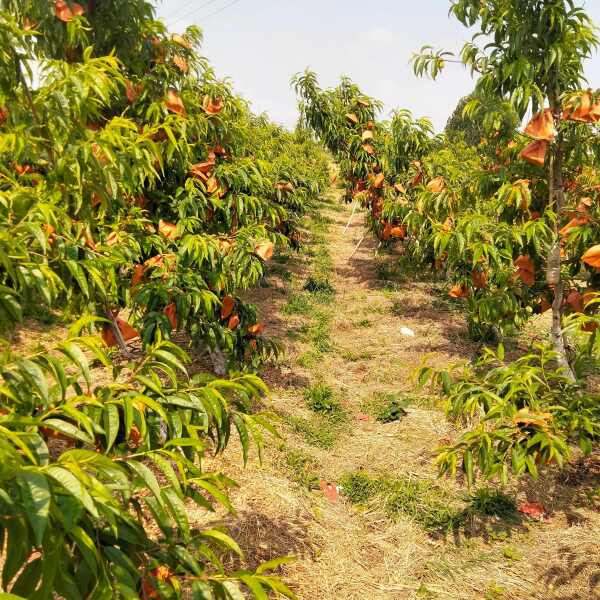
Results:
[535, 510]
[330, 490]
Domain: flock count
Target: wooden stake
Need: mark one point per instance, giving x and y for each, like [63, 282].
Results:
[118, 335]
[362, 239]
[351, 217]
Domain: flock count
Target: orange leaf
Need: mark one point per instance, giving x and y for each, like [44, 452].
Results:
[594, 115]
[256, 329]
[171, 312]
[227, 305]
[592, 256]
[575, 301]
[180, 62]
[89, 241]
[169, 230]
[65, 13]
[367, 135]
[112, 238]
[417, 179]
[138, 275]
[127, 331]
[525, 263]
[479, 278]
[400, 188]
[526, 277]
[535, 510]
[212, 185]
[535, 153]
[264, 250]
[233, 322]
[155, 261]
[544, 304]
[583, 110]
[368, 148]
[386, 233]
[181, 40]
[174, 103]
[398, 231]
[575, 222]
[132, 92]
[459, 291]
[378, 181]
[436, 185]
[212, 107]
[541, 127]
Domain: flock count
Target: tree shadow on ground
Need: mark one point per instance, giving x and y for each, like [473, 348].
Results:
[572, 573]
[264, 538]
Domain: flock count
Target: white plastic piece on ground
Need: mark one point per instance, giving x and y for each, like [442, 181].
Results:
[407, 331]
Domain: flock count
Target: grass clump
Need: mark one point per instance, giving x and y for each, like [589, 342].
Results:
[298, 304]
[322, 286]
[301, 468]
[418, 499]
[386, 407]
[317, 333]
[490, 502]
[364, 323]
[358, 487]
[398, 308]
[394, 410]
[322, 291]
[352, 356]
[320, 398]
[319, 432]
[424, 502]
[309, 359]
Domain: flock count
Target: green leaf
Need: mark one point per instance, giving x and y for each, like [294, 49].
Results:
[35, 495]
[111, 424]
[75, 353]
[223, 540]
[275, 563]
[73, 486]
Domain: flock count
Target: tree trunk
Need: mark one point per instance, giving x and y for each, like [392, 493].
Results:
[556, 202]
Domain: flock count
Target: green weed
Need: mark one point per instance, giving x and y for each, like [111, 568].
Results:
[298, 304]
[319, 432]
[320, 398]
[418, 499]
[358, 487]
[491, 502]
[351, 356]
[308, 359]
[301, 468]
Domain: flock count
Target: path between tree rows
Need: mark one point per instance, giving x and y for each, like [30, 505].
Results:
[354, 345]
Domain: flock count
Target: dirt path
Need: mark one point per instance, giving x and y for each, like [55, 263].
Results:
[346, 359]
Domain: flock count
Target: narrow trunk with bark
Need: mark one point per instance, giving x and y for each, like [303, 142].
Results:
[556, 203]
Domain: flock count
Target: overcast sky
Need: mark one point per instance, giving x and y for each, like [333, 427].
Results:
[260, 44]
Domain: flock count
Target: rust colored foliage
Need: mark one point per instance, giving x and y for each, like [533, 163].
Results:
[127, 331]
[535, 153]
[227, 306]
[67, 13]
[541, 127]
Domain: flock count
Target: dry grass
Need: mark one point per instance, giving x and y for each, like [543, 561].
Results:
[355, 551]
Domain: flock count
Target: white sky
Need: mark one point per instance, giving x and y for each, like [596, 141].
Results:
[260, 44]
